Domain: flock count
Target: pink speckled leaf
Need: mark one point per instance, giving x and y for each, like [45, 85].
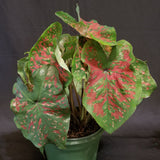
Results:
[43, 114]
[43, 52]
[103, 34]
[114, 87]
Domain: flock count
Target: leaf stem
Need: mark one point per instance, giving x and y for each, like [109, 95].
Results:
[73, 109]
[77, 97]
[78, 11]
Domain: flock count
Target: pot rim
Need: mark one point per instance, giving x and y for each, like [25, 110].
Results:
[91, 137]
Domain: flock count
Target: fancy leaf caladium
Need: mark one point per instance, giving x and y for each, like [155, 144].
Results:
[113, 89]
[42, 114]
[116, 87]
[109, 79]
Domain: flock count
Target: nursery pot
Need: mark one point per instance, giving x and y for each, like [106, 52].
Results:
[84, 148]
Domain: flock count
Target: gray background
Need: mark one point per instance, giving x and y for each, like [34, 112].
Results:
[138, 21]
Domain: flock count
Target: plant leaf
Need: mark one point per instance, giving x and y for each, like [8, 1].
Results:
[43, 52]
[111, 93]
[63, 65]
[93, 54]
[24, 72]
[103, 34]
[22, 68]
[147, 82]
[60, 60]
[67, 45]
[43, 115]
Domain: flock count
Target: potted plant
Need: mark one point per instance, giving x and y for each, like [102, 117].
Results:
[73, 87]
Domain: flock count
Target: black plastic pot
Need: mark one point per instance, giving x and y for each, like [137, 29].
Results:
[76, 148]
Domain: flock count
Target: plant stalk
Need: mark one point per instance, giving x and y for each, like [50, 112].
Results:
[77, 97]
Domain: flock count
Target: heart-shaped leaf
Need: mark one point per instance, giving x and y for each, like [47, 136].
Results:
[114, 87]
[43, 114]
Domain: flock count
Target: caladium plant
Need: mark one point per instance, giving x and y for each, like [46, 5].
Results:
[108, 82]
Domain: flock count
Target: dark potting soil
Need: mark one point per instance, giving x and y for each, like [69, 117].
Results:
[76, 131]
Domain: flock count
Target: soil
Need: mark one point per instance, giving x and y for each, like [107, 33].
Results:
[76, 131]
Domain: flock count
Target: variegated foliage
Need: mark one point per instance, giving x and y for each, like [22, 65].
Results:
[113, 81]
[117, 81]
[41, 105]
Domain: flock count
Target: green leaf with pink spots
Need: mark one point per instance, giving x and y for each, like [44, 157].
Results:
[43, 114]
[43, 52]
[114, 87]
[101, 33]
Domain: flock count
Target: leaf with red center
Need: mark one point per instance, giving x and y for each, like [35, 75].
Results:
[113, 88]
[43, 115]
[103, 34]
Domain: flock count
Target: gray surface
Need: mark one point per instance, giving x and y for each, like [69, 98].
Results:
[127, 148]
[22, 22]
